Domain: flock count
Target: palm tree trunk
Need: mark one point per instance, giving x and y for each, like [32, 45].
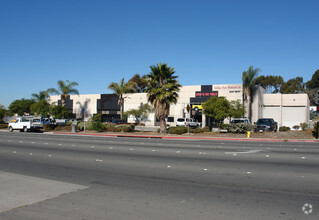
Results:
[162, 125]
[249, 107]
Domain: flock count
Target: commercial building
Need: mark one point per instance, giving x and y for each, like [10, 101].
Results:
[286, 109]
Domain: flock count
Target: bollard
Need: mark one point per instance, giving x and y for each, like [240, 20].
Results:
[248, 134]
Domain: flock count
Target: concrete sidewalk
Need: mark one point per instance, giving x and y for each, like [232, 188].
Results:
[20, 190]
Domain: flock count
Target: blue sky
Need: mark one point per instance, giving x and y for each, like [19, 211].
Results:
[97, 42]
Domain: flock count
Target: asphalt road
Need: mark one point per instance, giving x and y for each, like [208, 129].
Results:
[136, 178]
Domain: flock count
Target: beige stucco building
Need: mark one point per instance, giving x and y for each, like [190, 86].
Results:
[286, 109]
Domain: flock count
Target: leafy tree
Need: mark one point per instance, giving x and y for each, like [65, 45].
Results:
[42, 95]
[120, 89]
[312, 86]
[64, 89]
[293, 86]
[139, 83]
[249, 88]
[314, 82]
[217, 108]
[21, 106]
[3, 113]
[162, 91]
[41, 108]
[58, 111]
[272, 84]
[140, 113]
[97, 123]
[236, 109]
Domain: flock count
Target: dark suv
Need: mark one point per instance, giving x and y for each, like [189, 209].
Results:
[266, 124]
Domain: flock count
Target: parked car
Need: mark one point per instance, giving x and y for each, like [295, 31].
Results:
[116, 121]
[266, 124]
[187, 122]
[240, 120]
[26, 124]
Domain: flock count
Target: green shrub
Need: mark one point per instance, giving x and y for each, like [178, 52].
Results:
[196, 130]
[177, 130]
[315, 131]
[241, 128]
[296, 127]
[88, 125]
[225, 126]
[63, 128]
[158, 130]
[206, 129]
[69, 123]
[98, 126]
[284, 128]
[2, 126]
[124, 127]
[49, 127]
[303, 126]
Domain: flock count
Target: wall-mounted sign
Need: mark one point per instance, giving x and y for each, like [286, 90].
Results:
[206, 94]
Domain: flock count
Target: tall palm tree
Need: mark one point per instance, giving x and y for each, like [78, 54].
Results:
[42, 95]
[162, 91]
[120, 89]
[249, 88]
[64, 89]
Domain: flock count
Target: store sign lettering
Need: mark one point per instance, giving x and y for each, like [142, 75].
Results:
[206, 94]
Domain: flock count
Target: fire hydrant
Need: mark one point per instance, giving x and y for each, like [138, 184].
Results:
[248, 134]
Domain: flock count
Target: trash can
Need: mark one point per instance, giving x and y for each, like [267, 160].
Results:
[74, 124]
[248, 134]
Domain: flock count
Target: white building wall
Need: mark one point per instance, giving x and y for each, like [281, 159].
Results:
[88, 101]
[286, 109]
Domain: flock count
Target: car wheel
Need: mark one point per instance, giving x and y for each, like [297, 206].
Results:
[25, 129]
[10, 129]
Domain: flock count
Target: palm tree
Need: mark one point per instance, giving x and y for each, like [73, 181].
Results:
[64, 89]
[42, 95]
[162, 91]
[249, 88]
[120, 89]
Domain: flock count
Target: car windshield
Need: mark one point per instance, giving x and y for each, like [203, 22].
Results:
[180, 119]
[264, 121]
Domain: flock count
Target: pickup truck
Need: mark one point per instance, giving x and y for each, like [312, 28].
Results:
[266, 124]
[187, 122]
[26, 124]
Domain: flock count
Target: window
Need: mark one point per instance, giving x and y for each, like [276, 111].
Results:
[170, 119]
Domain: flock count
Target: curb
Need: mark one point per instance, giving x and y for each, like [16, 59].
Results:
[190, 138]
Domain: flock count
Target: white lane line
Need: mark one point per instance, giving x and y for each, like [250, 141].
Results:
[201, 153]
[50, 155]
[73, 145]
[168, 166]
[132, 149]
[111, 148]
[45, 143]
[98, 160]
[153, 150]
[244, 152]
[248, 172]
[32, 142]
[204, 169]
[20, 141]
[267, 156]
[303, 158]
[14, 152]
[31, 153]
[59, 144]
[92, 147]
[178, 152]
